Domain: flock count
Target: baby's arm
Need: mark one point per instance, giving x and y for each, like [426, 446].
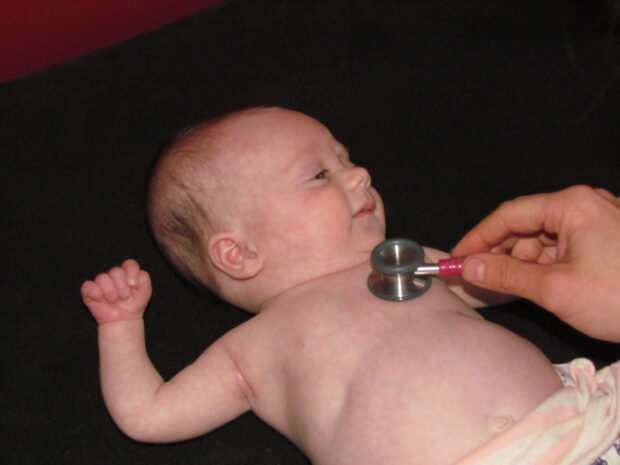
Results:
[474, 296]
[201, 397]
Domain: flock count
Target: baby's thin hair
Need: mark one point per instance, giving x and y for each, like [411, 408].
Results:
[178, 220]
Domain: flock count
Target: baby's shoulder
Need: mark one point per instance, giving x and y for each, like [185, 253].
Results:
[258, 333]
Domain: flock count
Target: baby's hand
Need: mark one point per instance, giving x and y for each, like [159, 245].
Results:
[120, 294]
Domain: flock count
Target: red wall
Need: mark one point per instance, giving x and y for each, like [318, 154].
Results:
[35, 34]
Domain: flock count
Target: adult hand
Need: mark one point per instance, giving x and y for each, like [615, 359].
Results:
[560, 250]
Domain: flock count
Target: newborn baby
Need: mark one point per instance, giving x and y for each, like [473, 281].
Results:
[265, 208]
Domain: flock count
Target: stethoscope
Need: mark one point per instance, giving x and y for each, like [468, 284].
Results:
[399, 272]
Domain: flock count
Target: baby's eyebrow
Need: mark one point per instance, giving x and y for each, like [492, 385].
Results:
[343, 152]
[293, 165]
[340, 147]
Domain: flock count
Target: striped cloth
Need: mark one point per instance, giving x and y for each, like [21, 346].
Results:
[578, 425]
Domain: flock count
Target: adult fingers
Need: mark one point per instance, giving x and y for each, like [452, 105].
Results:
[503, 273]
[524, 215]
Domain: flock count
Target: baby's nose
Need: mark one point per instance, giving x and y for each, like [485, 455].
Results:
[357, 177]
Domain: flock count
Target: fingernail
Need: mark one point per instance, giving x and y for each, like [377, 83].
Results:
[475, 270]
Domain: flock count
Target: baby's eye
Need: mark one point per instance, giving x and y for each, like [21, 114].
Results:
[321, 174]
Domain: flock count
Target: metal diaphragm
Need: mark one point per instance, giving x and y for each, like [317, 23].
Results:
[394, 263]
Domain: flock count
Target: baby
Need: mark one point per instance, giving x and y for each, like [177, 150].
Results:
[265, 208]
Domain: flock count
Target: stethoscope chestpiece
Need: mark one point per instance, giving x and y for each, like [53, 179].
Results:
[394, 264]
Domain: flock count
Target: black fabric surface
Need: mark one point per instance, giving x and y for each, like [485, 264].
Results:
[453, 106]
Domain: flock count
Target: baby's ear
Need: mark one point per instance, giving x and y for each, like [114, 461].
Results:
[232, 254]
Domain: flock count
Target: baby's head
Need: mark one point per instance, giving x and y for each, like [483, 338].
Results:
[259, 201]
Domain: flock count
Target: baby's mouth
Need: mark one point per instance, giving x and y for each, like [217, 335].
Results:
[367, 208]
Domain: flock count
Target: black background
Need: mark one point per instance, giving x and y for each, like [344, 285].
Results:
[453, 106]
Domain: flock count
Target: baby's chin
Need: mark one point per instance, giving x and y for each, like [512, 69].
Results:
[371, 241]
[361, 252]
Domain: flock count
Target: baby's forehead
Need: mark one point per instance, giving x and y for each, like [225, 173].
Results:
[277, 135]
[249, 142]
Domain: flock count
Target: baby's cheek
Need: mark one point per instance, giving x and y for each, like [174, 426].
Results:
[379, 207]
[327, 220]
[309, 219]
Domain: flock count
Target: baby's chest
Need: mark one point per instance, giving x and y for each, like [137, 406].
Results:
[350, 345]
[330, 340]
[361, 379]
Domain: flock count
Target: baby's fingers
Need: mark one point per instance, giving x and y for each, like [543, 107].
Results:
[119, 278]
[144, 282]
[132, 272]
[91, 291]
[108, 287]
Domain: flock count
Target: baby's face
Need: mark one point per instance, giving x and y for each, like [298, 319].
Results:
[306, 204]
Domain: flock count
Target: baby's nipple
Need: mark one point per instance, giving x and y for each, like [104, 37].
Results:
[501, 423]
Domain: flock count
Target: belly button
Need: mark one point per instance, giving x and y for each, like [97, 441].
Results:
[501, 423]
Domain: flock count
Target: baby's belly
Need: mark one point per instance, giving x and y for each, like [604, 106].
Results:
[448, 405]
[366, 381]
[436, 394]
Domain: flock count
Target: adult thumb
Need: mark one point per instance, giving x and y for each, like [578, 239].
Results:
[503, 273]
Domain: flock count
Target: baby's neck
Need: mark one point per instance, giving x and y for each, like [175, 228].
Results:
[317, 279]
